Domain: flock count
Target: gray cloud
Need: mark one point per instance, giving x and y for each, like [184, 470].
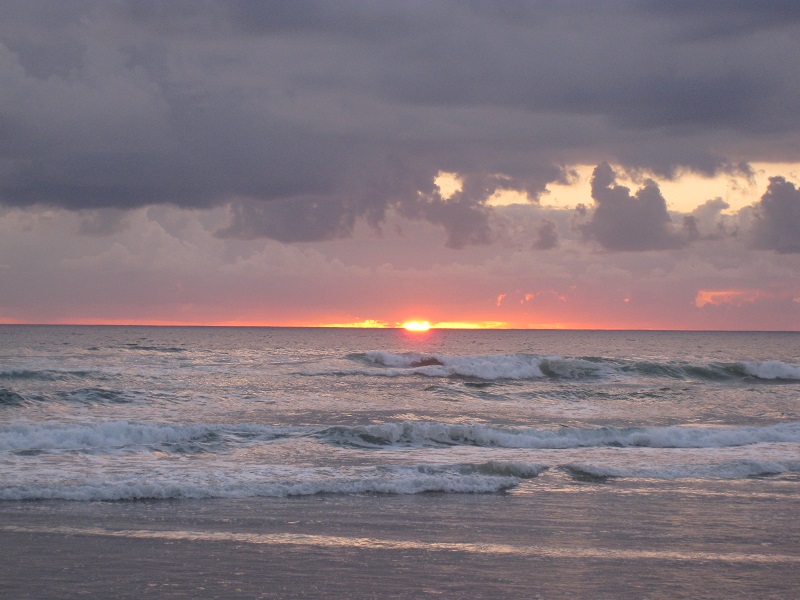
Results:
[102, 222]
[546, 235]
[304, 219]
[323, 113]
[708, 221]
[776, 224]
[624, 222]
[464, 216]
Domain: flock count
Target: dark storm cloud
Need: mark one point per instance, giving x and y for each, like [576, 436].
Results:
[308, 116]
[625, 222]
[713, 18]
[777, 218]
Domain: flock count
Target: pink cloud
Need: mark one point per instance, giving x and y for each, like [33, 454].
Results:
[729, 297]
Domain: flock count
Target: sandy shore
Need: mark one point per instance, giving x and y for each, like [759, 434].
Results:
[596, 541]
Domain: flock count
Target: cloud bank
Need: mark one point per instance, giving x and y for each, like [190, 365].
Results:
[308, 116]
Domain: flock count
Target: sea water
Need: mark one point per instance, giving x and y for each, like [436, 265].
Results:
[509, 426]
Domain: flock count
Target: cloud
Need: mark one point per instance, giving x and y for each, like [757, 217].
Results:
[102, 222]
[546, 235]
[624, 222]
[708, 222]
[463, 214]
[321, 114]
[776, 222]
[303, 219]
[168, 265]
[732, 297]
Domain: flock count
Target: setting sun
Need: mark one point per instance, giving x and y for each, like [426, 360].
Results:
[416, 326]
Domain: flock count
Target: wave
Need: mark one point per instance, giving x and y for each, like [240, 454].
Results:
[771, 369]
[464, 478]
[422, 434]
[531, 366]
[488, 367]
[489, 477]
[90, 395]
[9, 397]
[51, 374]
[737, 469]
[96, 395]
[165, 349]
[126, 436]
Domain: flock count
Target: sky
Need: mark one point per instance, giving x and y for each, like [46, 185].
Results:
[576, 164]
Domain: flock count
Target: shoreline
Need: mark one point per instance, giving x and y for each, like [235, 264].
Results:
[621, 540]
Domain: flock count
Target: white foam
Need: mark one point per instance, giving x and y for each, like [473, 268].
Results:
[772, 369]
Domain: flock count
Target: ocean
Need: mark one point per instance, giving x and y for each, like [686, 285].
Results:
[278, 462]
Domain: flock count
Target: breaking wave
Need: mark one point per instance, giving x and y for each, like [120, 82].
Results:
[465, 478]
[126, 436]
[531, 366]
[489, 477]
[737, 469]
[771, 369]
[420, 433]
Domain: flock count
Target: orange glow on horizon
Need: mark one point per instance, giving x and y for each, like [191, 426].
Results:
[366, 324]
[706, 299]
[416, 326]
[471, 325]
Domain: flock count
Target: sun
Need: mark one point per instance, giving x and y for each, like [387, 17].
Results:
[416, 326]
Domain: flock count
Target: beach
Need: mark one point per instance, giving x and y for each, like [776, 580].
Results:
[650, 540]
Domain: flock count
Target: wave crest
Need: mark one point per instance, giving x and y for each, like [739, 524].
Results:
[737, 469]
[492, 367]
[123, 436]
[490, 477]
[423, 433]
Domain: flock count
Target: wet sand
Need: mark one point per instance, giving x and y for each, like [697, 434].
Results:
[621, 540]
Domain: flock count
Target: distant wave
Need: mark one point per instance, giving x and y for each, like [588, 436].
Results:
[419, 433]
[87, 395]
[531, 366]
[167, 349]
[51, 374]
[488, 367]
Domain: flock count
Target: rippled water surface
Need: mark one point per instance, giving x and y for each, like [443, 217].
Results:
[110, 413]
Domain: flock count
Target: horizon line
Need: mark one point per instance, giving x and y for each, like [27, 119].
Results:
[399, 327]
